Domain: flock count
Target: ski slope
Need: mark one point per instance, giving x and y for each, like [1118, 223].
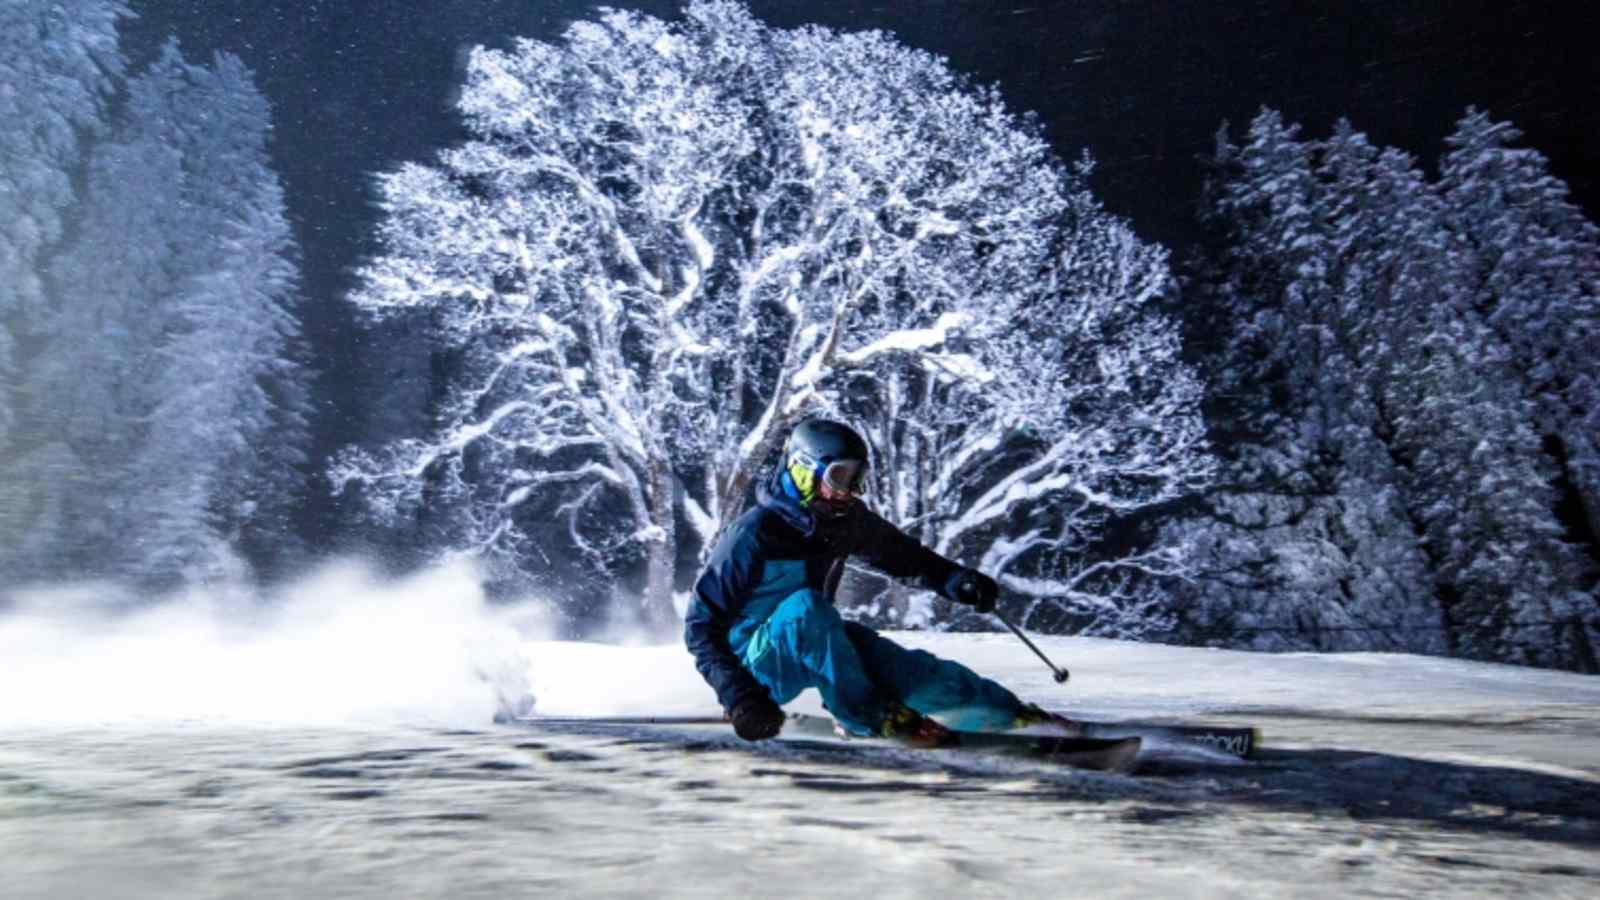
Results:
[1382, 775]
[1426, 706]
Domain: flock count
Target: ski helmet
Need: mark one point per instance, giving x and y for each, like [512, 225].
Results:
[820, 451]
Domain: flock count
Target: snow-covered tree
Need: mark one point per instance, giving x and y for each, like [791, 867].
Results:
[1456, 423]
[59, 61]
[1418, 490]
[1533, 269]
[170, 380]
[1305, 509]
[96, 362]
[665, 243]
[1066, 410]
[225, 360]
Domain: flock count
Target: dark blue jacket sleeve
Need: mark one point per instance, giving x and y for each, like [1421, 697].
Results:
[895, 553]
[722, 591]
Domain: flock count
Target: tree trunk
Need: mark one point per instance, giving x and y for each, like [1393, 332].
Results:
[1582, 647]
[656, 607]
[730, 503]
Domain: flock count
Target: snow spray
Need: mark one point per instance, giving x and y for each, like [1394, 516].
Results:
[339, 647]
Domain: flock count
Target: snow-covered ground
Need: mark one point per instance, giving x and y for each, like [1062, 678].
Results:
[1382, 775]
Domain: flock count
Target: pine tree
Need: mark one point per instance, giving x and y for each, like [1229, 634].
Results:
[98, 359]
[1304, 510]
[1424, 497]
[1532, 272]
[59, 61]
[226, 430]
[172, 362]
[1457, 424]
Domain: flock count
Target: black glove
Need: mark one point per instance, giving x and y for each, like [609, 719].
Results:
[973, 588]
[756, 717]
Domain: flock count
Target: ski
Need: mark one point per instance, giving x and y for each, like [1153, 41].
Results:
[1235, 741]
[1118, 754]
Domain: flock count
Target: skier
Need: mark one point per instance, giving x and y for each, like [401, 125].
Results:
[762, 625]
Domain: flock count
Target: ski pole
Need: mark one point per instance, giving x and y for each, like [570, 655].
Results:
[1061, 674]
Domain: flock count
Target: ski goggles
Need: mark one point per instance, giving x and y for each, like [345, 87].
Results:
[844, 476]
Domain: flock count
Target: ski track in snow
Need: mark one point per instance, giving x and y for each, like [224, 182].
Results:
[1381, 775]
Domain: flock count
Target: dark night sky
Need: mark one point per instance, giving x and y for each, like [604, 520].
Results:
[360, 85]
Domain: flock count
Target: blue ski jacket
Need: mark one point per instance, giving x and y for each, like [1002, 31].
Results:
[775, 549]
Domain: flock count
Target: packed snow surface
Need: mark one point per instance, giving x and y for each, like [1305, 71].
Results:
[1381, 775]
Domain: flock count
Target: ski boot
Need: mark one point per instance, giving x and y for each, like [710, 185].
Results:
[906, 725]
[1044, 721]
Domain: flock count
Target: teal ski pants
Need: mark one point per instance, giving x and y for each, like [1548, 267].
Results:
[805, 643]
